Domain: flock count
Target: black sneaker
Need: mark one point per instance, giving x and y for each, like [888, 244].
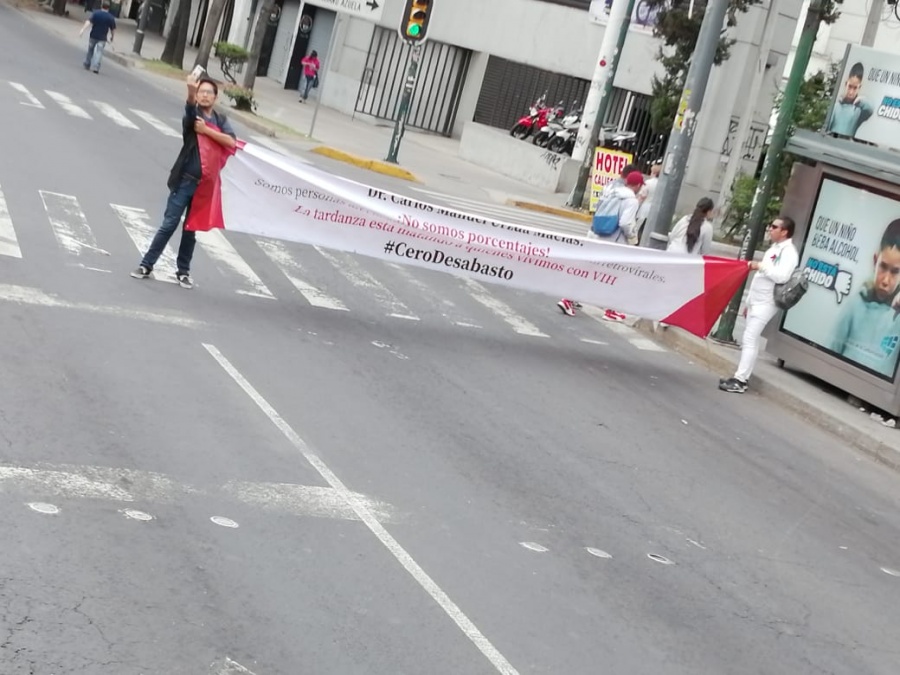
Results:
[733, 386]
[142, 273]
[184, 280]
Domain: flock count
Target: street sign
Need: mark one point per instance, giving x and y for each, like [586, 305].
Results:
[370, 10]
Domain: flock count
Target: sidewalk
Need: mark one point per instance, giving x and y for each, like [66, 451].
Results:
[434, 162]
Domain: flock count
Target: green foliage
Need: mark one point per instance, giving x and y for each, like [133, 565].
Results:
[812, 106]
[242, 98]
[231, 57]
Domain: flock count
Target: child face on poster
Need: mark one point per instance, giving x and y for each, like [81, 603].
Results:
[886, 281]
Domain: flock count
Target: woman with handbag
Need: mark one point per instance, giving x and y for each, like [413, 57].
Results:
[311, 67]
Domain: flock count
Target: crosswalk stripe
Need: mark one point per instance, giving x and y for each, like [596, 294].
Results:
[518, 323]
[277, 252]
[66, 104]
[9, 245]
[69, 223]
[156, 123]
[137, 224]
[114, 115]
[442, 304]
[219, 248]
[636, 339]
[356, 275]
[32, 99]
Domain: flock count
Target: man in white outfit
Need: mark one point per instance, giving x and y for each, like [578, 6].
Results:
[776, 267]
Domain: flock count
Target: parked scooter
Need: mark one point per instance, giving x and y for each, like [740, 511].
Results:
[535, 119]
[563, 141]
[618, 139]
[560, 122]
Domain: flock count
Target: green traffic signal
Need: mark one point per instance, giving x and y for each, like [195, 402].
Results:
[414, 30]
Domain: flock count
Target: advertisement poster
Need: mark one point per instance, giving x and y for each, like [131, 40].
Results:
[852, 260]
[643, 17]
[867, 102]
[608, 165]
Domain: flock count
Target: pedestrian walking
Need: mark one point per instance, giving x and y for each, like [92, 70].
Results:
[194, 183]
[103, 28]
[776, 267]
[647, 195]
[694, 233]
[311, 67]
[615, 221]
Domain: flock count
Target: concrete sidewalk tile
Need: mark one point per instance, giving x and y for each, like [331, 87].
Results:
[797, 391]
[375, 165]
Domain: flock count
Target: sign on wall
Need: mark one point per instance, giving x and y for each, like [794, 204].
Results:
[852, 260]
[608, 165]
[643, 17]
[867, 100]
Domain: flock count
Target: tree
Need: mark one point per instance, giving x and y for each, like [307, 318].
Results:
[173, 52]
[259, 34]
[678, 26]
[209, 32]
[813, 103]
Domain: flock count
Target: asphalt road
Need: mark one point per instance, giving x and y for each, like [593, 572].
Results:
[286, 476]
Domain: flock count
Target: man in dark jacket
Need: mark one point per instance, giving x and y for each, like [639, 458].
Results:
[199, 118]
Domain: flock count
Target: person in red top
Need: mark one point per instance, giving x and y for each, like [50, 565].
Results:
[311, 67]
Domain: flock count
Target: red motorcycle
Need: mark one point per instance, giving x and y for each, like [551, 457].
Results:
[537, 118]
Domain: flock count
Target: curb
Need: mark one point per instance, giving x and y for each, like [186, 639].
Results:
[700, 351]
[551, 210]
[368, 164]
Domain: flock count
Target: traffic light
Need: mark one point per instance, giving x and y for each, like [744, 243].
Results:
[414, 21]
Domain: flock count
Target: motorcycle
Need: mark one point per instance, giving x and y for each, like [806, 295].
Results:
[564, 140]
[618, 139]
[535, 119]
[547, 130]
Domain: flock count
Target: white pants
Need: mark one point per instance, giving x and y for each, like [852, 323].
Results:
[758, 315]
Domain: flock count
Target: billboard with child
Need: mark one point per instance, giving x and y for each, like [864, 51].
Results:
[852, 260]
[867, 100]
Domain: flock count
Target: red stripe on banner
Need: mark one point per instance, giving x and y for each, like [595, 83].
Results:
[722, 277]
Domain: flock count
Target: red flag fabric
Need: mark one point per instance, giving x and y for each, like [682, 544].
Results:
[722, 277]
[205, 213]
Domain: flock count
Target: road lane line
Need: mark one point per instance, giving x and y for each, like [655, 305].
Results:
[32, 101]
[359, 277]
[219, 248]
[228, 667]
[24, 295]
[9, 245]
[69, 223]
[115, 115]
[518, 323]
[278, 253]
[450, 608]
[137, 224]
[156, 123]
[66, 104]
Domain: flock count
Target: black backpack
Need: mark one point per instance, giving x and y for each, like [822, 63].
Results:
[789, 293]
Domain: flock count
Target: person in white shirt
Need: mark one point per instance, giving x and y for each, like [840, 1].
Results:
[694, 233]
[776, 267]
[646, 197]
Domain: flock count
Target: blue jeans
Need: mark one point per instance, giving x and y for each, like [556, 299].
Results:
[94, 54]
[309, 84]
[178, 203]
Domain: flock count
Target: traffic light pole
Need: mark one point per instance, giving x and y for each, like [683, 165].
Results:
[679, 146]
[404, 105]
[598, 97]
[756, 225]
[143, 17]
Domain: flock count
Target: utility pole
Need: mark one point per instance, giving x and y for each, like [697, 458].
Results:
[874, 18]
[143, 17]
[743, 130]
[755, 227]
[597, 102]
[679, 146]
[403, 107]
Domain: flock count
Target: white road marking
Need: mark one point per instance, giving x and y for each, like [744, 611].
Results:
[69, 223]
[219, 248]
[440, 303]
[25, 295]
[646, 344]
[225, 522]
[113, 114]
[43, 507]
[356, 275]
[595, 342]
[228, 667]
[469, 629]
[105, 484]
[156, 123]
[518, 323]
[134, 514]
[137, 224]
[32, 101]
[278, 253]
[533, 546]
[9, 245]
[598, 553]
[66, 104]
